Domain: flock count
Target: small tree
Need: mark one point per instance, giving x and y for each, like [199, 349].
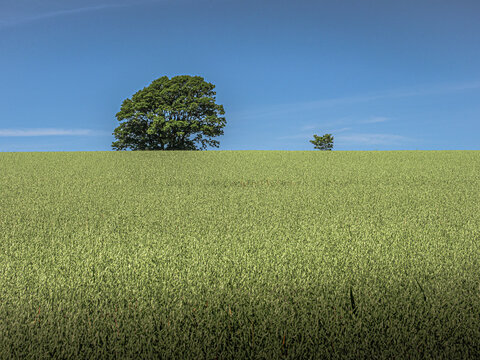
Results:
[323, 143]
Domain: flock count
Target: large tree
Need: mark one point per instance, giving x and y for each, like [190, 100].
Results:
[170, 114]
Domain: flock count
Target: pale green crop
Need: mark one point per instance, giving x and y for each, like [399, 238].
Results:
[240, 254]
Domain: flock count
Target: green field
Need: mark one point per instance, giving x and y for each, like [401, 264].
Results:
[240, 254]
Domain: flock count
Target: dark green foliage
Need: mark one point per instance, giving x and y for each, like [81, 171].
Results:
[170, 114]
[352, 302]
[323, 143]
[423, 292]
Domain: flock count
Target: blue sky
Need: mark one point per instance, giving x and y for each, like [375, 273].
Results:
[377, 74]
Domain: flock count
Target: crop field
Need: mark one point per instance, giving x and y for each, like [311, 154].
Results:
[240, 254]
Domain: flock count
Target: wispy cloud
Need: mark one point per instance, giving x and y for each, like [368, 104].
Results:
[329, 124]
[305, 135]
[57, 13]
[308, 127]
[398, 93]
[345, 121]
[51, 132]
[282, 109]
[373, 120]
[373, 139]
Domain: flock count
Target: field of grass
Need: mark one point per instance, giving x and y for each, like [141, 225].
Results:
[240, 254]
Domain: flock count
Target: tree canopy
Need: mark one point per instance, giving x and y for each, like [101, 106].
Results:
[324, 142]
[170, 114]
